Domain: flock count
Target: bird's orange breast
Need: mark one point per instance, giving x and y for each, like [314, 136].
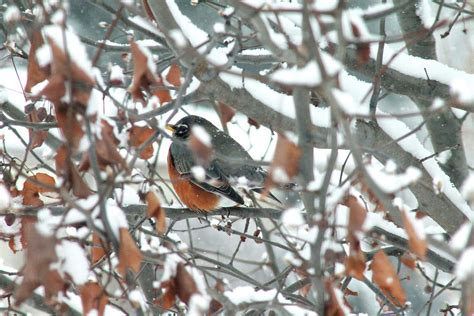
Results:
[191, 195]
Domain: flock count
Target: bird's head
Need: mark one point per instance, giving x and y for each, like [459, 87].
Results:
[182, 129]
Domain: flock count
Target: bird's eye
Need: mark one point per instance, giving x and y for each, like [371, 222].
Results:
[182, 130]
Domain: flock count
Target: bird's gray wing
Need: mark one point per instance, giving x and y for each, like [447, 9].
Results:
[235, 162]
[215, 182]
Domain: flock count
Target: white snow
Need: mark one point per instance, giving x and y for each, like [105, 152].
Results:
[219, 28]
[146, 24]
[465, 267]
[116, 75]
[47, 223]
[44, 55]
[279, 102]
[292, 218]
[423, 10]
[200, 133]
[309, 75]
[391, 183]
[247, 294]
[279, 175]
[73, 261]
[64, 38]
[11, 14]
[5, 198]
[395, 129]
[137, 298]
[197, 37]
[178, 38]
[116, 217]
[436, 70]
[415, 223]
[467, 189]
[149, 58]
[460, 239]
[462, 90]
[198, 173]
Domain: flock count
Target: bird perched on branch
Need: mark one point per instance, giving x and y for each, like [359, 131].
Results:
[206, 166]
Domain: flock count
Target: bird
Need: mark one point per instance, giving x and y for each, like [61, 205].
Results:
[229, 165]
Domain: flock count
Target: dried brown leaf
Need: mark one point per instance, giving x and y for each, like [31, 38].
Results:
[69, 124]
[335, 305]
[386, 278]
[93, 298]
[417, 245]
[37, 137]
[130, 256]
[168, 299]
[357, 214]
[253, 122]
[142, 77]
[408, 260]
[41, 253]
[215, 305]
[67, 169]
[286, 159]
[174, 75]
[155, 210]
[139, 135]
[34, 185]
[63, 67]
[226, 112]
[97, 251]
[355, 264]
[185, 284]
[20, 241]
[35, 74]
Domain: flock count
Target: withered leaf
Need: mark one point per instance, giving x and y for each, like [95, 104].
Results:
[355, 264]
[67, 169]
[226, 112]
[168, 299]
[286, 160]
[362, 48]
[62, 66]
[68, 123]
[139, 135]
[130, 256]
[185, 284]
[143, 77]
[35, 74]
[174, 75]
[37, 137]
[106, 150]
[417, 245]
[34, 185]
[253, 122]
[93, 298]
[386, 278]
[162, 94]
[97, 251]
[41, 253]
[215, 305]
[357, 214]
[155, 210]
[19, 242]
[408, 260]
[335, 305]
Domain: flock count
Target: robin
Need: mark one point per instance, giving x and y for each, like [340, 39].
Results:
[229, 165]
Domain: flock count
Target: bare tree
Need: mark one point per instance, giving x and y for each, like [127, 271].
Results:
[357, 109]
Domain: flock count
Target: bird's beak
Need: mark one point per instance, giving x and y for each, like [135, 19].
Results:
[171, 127]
